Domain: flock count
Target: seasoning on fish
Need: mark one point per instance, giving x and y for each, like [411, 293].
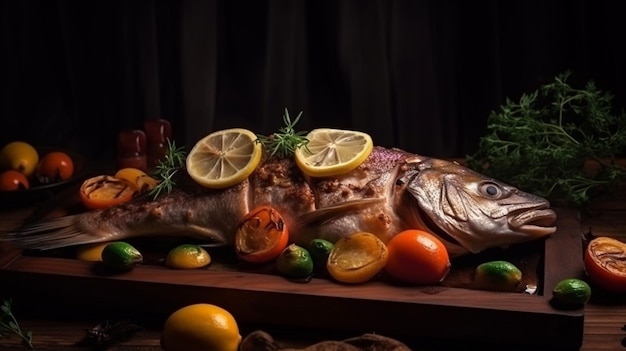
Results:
[392, 190]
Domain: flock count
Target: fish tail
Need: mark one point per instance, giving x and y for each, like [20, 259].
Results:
[50, 234]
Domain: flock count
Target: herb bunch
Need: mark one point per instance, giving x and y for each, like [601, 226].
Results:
[284, 142]
[543, 143]
[165, 171]
[9, 325]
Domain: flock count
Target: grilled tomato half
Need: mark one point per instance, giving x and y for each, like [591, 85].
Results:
[105, 191]
[605, 263]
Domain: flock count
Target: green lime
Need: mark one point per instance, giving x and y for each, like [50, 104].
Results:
[320, 250]
[187, 256]
[571, 292]
[121, 256]
[295, 262]
[497, 276]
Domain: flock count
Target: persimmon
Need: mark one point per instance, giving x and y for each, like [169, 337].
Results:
[261, 236]
[417, 257]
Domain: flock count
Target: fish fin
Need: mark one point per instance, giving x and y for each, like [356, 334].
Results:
[453, 204]
[325, 214]
[49, 234]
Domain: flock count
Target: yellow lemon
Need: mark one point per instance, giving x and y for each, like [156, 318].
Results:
[224, 158]
[138, 178]
[90, 252]
[357, 258]
[200, 327]
[187, 256]
[19, 156]
[333, 151]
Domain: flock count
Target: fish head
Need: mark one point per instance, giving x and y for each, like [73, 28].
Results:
[471, 212]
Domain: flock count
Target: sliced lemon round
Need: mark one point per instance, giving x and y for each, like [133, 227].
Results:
[224, 158]
[333, 151]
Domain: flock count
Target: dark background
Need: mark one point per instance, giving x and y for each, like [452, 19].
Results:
[420, 75]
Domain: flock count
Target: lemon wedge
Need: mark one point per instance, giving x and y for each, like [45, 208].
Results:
[224, 158]
[333, 151]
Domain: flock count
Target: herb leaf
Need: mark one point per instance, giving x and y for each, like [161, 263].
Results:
[168, 167]
[543, 143]
[285, 142]
[9, 325]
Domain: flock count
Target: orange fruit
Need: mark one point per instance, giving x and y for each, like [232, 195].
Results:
[357, 258]
[605, 263]
[201, 327]
[417, 257]
[261, 236]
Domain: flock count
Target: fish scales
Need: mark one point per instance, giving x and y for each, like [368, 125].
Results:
[392, 190]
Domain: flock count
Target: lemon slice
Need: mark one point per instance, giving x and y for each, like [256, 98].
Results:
[333, 151]
[224, 158]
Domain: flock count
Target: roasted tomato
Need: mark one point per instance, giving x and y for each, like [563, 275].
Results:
[105, 191]
[261, 236]
[54, 167]
[605, 263]
[12, 180]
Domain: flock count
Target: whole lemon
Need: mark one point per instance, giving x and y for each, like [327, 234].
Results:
[19, 156]
[201, 327]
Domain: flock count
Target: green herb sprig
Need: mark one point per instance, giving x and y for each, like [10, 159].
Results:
[165, 171]
[285, 142]
[543, 142]
[9, 325]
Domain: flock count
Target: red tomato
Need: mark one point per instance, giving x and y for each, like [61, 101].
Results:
[605, 263]
[12, 180]
[105, 191]
[261, 236]
[54, 167]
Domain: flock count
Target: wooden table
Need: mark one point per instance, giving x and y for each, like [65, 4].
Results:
[61, 330]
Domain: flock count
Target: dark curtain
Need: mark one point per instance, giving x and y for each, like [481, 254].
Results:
[419, 75]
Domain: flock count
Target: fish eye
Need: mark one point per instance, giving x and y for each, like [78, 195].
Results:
[491, 189]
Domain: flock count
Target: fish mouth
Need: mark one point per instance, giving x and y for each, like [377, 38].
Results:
[536, 222]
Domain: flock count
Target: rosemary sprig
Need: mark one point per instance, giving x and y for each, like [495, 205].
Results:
[541, 143]
[168, 167]
[9, 325]
[285, 142]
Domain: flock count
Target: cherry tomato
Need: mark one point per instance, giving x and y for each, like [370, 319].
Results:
[261, 236]
[605, 263]
[105, 191]
[13, 180]
[54, 167]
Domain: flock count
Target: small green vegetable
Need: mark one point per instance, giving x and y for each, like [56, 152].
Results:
[285, 142]
[571, 292]
[9, 325]
[497, 276]
[541, 143]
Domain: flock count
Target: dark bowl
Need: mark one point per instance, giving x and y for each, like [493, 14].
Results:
[43, 192]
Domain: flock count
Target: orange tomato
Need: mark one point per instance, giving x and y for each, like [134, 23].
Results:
[13, 180]
[605, 263]
[105, 191]
[54, 167]
[417, 257]
[261, 236]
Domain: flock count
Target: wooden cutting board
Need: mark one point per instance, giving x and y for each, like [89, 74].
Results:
[451, 311]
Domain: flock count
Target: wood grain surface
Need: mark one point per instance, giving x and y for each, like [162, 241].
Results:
[56, 327]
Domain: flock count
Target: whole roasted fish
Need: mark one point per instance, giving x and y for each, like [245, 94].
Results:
[391, 191]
